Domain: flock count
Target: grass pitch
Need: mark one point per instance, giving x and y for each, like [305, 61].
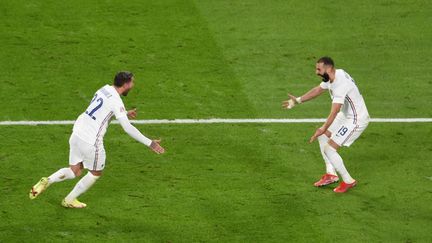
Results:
[248, 183]
[227, 59]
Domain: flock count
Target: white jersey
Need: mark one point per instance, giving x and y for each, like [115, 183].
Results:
[93, 123]
[343, 90]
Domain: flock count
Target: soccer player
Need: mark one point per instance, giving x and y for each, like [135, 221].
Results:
[86, 142]
[348, 118]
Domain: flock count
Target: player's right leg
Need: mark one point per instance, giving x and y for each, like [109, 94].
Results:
[76, 166]
[66, 173]
[60, 175]
[38, 188]
[323, 140]
[330, 176]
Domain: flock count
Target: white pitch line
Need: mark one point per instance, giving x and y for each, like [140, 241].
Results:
[214, 121]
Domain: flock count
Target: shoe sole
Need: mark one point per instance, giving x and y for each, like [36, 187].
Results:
[326, 184]
[346, 189]
[65, 205]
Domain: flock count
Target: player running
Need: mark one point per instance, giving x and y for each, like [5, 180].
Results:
[86, 142]
[348, 118]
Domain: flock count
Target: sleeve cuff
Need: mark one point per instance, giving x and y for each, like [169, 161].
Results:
[338, 100]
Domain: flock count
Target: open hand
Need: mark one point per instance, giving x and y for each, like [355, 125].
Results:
[132, 113]
[155, 146]
[290, 103]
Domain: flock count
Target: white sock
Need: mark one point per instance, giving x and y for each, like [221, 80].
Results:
[61, 175]
[323, 140]
[337, 163]
[82, 186]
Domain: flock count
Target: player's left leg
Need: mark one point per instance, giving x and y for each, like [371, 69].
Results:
[337, 161]
[94, 162]
[82, 186]
[344, 135]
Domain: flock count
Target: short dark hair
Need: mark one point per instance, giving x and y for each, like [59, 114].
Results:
[326, 61]
[122, 78]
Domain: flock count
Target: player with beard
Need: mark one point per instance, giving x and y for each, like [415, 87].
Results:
[348, 118]
[86, 142]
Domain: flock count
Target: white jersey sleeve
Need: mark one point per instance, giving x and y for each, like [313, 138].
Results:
[339, 92]
[117, 107]
[133, 132]
[324, 85]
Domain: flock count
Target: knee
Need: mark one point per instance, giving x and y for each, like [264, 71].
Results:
[76, 169]
[96, 173]
[328, 149]
[323, 139]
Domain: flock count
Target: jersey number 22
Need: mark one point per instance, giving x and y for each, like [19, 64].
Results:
[99, 103]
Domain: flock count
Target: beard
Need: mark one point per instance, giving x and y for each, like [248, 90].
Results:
[125, 93]
[325, 77]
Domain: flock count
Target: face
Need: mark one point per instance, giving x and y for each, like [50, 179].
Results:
[322, 71]
[128, 86]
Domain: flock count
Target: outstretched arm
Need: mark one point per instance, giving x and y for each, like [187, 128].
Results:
[314, 92]
[137, 135]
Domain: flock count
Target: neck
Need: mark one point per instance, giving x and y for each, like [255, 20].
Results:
[118, 89]
[332, 75]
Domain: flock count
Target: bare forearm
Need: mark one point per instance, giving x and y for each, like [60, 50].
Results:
[329, 121]
[312, 94]
[332, 116]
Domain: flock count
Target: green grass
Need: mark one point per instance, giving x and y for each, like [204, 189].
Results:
[223, 183]
[211, 58]
[227, 59]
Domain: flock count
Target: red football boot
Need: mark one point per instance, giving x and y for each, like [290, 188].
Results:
[343, 187]
[326, 180]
